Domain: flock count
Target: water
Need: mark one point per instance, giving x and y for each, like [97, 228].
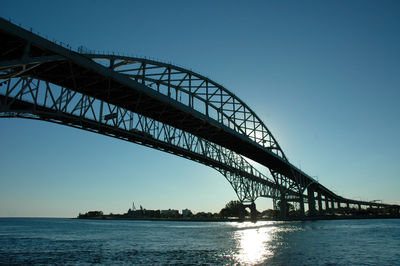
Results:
[68, 241]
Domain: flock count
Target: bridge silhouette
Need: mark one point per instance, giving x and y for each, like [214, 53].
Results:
[158, 105]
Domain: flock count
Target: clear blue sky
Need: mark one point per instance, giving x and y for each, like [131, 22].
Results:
[323, 75]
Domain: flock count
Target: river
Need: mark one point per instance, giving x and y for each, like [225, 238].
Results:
[72, 241]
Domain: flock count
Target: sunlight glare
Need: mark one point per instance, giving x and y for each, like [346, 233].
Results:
[253, 245]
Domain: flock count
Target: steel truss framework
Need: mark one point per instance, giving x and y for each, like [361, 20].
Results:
[154, 104]
[205, 96]
[26, 97]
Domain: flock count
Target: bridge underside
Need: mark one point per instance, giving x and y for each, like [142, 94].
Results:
[35, 99]
[26, 56]
[125, 99]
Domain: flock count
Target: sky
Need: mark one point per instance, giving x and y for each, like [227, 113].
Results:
[324, 76]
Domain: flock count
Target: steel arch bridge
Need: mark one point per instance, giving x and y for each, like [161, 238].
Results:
[154, 104]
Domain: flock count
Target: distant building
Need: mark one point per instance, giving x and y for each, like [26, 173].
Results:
[151, 213]
[187, 212]
[95, 213]
[91, 214]
[169, 212]
[143, 213]
[134, 213]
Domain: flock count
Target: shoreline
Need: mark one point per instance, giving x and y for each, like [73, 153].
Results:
[314, 218]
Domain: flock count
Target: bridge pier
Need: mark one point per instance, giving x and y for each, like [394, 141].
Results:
[301, 203]
[283, 206]
[340, 207]
[311, 201]
[326, 203]
[253, 212]
[242, 213]
[320, 209]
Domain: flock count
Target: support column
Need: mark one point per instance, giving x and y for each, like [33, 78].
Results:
[333, 205]
[311, 201]
[253, 212]
[301, 203]
[242, 213]
[340, 207]
[283, 206]
[320, 203]
[326, 203]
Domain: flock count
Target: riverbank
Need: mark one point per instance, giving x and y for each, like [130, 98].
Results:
[180, 219]
[247, 219]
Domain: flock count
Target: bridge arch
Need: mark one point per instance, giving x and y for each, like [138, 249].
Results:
[213, 100]
[30, 98]
[195, 91]
[28, 58]
[196, 117]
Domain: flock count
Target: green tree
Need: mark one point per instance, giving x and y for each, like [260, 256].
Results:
[233, 208]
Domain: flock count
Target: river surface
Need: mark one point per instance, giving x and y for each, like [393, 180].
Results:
[71, 241]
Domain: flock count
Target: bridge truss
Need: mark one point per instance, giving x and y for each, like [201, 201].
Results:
[154, 104]
[26, 97]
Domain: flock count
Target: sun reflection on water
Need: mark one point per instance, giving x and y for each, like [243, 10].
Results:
[253, 242]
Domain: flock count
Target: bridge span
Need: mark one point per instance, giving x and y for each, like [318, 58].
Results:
[159, 105]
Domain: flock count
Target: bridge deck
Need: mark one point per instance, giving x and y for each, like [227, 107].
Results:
[31, 55]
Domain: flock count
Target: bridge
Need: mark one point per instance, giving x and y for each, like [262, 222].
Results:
[161, 106]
